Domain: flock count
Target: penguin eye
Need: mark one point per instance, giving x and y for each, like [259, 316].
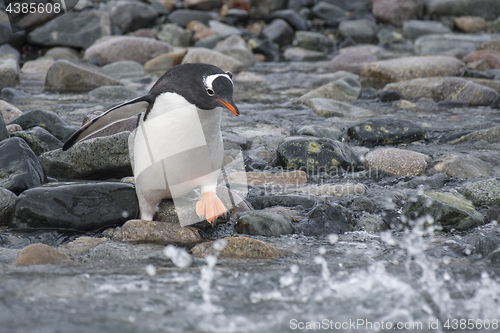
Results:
[210, 92]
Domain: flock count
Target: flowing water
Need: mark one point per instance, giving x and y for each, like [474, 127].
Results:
[404, 280]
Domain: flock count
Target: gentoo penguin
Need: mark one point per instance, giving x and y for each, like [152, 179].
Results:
[178, 144]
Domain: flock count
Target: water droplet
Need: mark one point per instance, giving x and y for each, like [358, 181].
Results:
[294, 269]
[151, 270]
[179, 256]
[220, 245]
[125, 214]
[446, 277]
[333, 238]
[322, 250]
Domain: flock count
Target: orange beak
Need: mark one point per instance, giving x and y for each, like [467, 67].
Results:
[231, 107]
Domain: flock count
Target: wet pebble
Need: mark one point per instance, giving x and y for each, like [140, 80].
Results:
[413, 29]
[62, 52]
[313, 41]
[470, 24]
[320, 132]
[369, 223]
[395, 12]
[183, 16]
[162, 63]
[269, 224]
[326, 10]
[159, 232]
[64, 75]
[39, 254]
[324, 219]
[326, 107]
[20, 167]
[384, 131]
[487, 245]
[447, 210]
[439, 43]
[279, 32]
[353, 58]
[175, 35]
[97, 158]
[81, 246]
[291, 16]
[491, 57]
[301, 54]
[237, 248]
[491, 135]
[397, 162]
[81, 207]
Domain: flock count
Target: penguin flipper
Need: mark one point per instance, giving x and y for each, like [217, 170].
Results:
[113, 115]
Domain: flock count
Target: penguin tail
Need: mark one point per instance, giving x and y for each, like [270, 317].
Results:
[111, 116]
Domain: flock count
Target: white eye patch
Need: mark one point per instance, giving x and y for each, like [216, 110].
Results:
[208, 80]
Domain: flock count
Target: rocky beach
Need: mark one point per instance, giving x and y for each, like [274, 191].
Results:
[367, 152]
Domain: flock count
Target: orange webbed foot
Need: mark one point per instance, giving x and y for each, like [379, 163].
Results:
[210, 207]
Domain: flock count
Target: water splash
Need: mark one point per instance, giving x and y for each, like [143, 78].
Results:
[207, 276]
[179, 256]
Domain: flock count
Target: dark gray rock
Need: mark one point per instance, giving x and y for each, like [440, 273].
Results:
[385, 131]
[314, 41]
[64, 76]
[349, 5]
[264, 223]
[236, 47]
[7, 203]
[361, 31]
[81, 207]
[323, 220]
[414, 28]
[7, 49]
[74, 29]
[183, 16]
[17, 39]
[39, 139]
[316, 155]
[270, 200]
[280, 32]
[132, 15]
[292, 17]
[327, 11]
[446, 210]
[265, 47]
[19, 167]
[209, 42]
[11, 94]
[487, 245]
[260, 9]
[494, 259]
[464, 91]
[48, 120]
[98, 158]
[369, 223]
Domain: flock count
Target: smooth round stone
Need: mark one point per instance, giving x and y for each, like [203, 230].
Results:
[159, 232]
[39, 254]
[325, 10]
[361, 31]
[324, 219]
[175, 35]
[49, 120]
[413, 29]
[280, 32]
[61, 52]
[326, 107]
[183, 16]
[483, 192]
[464, 166]
[301, 54]
[353, 58]
[9, 71]
[407, 68]
[439, 43]
[491, 57]
[470, 24]
[369, 223]
[164, 62]
[237, 248]
[124, 69]
[488, 9]
[396, 12]
[464, 91]
[8, 111]
[313, 41]
[66, 76]
[397, 162]
[132, 15]
[292, 17]
[236, 47]
[320, 132]
[345, 89]
[491, 135]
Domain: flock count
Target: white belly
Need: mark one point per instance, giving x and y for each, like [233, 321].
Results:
[177, 149]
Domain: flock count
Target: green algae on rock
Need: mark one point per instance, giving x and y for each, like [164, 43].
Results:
[447, 210]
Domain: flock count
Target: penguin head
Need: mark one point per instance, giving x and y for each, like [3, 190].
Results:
[219, 89]
[203, 85]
